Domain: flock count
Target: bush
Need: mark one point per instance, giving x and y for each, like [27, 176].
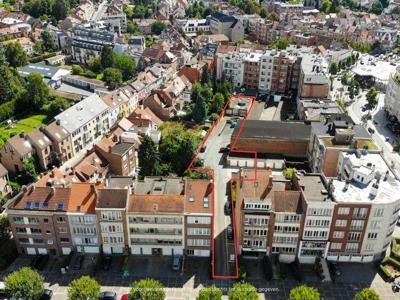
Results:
[90, 74]
[77, 70]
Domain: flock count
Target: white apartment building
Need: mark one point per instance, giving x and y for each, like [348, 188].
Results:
[266, 70]
[367, 193]
[190, 27]
[392, 97]
[231, 66]
[84, 232]
[86, 121]
[318, 218]
[111, 213]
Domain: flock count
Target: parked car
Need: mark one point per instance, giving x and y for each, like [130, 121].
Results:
[47, 294]
[375, 122]
[124, 297]
[39, 262]
[108, 295]
[2, 288]
[106, 262]
[176, 262]
[370, 130]
[227, 208]
[203, 149]
[233, 124]
[229, 232]
[334, 268]
[77, 262]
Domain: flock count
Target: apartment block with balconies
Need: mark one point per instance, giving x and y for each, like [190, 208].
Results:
[155, 217]
[86, 122]
[367, 206]
[111, 207]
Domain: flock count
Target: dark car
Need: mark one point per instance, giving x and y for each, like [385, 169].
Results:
[229, 232]
[227, 208]
[108, 296]
[176, 263]
[39, 262]
[334, 268]
[47, 294]
[106, 263]
[370, 130]
[203, 149]
[77, 262]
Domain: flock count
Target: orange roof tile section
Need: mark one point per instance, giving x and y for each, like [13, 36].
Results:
[198, 196]
[82, 197]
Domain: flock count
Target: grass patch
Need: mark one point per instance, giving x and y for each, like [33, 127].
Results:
[27, 125]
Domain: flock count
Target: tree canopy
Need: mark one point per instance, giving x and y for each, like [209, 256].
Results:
[24, 284]
[210, 293]
[16, 55]
[146, 289]
[149, 157]
[304, 292]
[367, 294]
[84, 288]
[243, 291]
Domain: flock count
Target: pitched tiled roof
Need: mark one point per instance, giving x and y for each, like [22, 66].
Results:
[156, 203]
[196, 190]
[112, 198]
[44, 198]
[83, 197]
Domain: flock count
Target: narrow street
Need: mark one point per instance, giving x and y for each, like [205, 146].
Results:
[224, 259]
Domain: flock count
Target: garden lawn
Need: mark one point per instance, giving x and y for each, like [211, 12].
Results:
[26, 125]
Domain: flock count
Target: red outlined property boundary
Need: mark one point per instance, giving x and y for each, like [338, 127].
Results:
[211, 172]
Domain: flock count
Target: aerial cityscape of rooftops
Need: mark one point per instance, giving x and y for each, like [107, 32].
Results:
[194, 149]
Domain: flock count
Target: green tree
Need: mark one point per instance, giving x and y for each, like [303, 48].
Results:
[60, 10]
[146, 289]
[281, 43]
[84, 288]
[126, 65]
[326, 6]
[367, 294]
[304, 292]
[112, 77]
[150, 41]
[77, 70]
[334, 69]
[242, 291]
[210, 293]
[47, 40]
[24, 284]
[11, 84]
[385, 3]
[3, 58]
[345, 79]
[95, 64]
[199, 112]
[149, 157]
[16, 56]
[107, 57]
[372, 98]
[376, 8]
[56, 106]
[217, 104]
[205, 76]
[37, 48]
[263, 12]
[157, 27]
[37, 92]
[29, 172]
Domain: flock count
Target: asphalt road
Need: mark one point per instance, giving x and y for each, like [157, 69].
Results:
[223, 248]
